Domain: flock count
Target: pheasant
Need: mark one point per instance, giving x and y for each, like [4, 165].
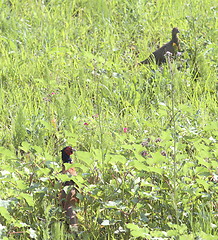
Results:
[68, 199]
[159, 55]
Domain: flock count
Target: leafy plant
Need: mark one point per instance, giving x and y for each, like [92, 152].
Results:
[146, 137]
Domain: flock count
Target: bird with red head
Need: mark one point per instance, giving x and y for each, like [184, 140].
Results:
[68, 198]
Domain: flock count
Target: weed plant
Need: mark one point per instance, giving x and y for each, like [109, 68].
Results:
[146, 136]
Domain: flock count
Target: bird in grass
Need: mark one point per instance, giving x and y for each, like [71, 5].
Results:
[68, 199]
[160, 54]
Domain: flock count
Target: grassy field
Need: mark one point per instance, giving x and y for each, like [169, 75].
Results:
[146, 136]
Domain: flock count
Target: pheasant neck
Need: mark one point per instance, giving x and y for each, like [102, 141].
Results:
[175, 38]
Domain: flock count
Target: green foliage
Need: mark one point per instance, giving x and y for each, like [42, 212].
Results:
[146, 136]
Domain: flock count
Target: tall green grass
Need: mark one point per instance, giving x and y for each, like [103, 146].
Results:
[146, 136]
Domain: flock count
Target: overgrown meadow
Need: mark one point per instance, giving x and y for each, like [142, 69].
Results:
[146, 136]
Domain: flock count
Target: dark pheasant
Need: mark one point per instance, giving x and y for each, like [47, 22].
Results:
[68, 199]
[171, 47]
[66, 152]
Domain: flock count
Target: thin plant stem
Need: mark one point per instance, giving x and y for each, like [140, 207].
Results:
[173, 127]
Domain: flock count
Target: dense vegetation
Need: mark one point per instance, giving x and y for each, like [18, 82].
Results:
[146, 136]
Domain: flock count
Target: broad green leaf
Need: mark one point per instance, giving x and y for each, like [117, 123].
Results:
[207, 236]
[85, 157]
[139, 156]
[201, 170]
[139, 165]
[155, 169]
[43, 172]
[172, 233]
[64, 177]
[38, 149]
[203, 183]
[117, 159]
[127, 146]
[180, 228]
[187, 237]
[158, 158]
[166, 136]
[21, 184]
[28, 198]
[203, 162]
[140, 233]
[159, 234]
[25, 146]
[6, 215]
[47, 125]
[68, 166]
[137, 231]
[8, 153]
[132, 226]
[81, 166]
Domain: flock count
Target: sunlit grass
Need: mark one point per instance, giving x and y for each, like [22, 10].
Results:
[69, 77]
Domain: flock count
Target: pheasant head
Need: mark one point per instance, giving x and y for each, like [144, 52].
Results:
[174, 34]
[175, 39]
[66, 152]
